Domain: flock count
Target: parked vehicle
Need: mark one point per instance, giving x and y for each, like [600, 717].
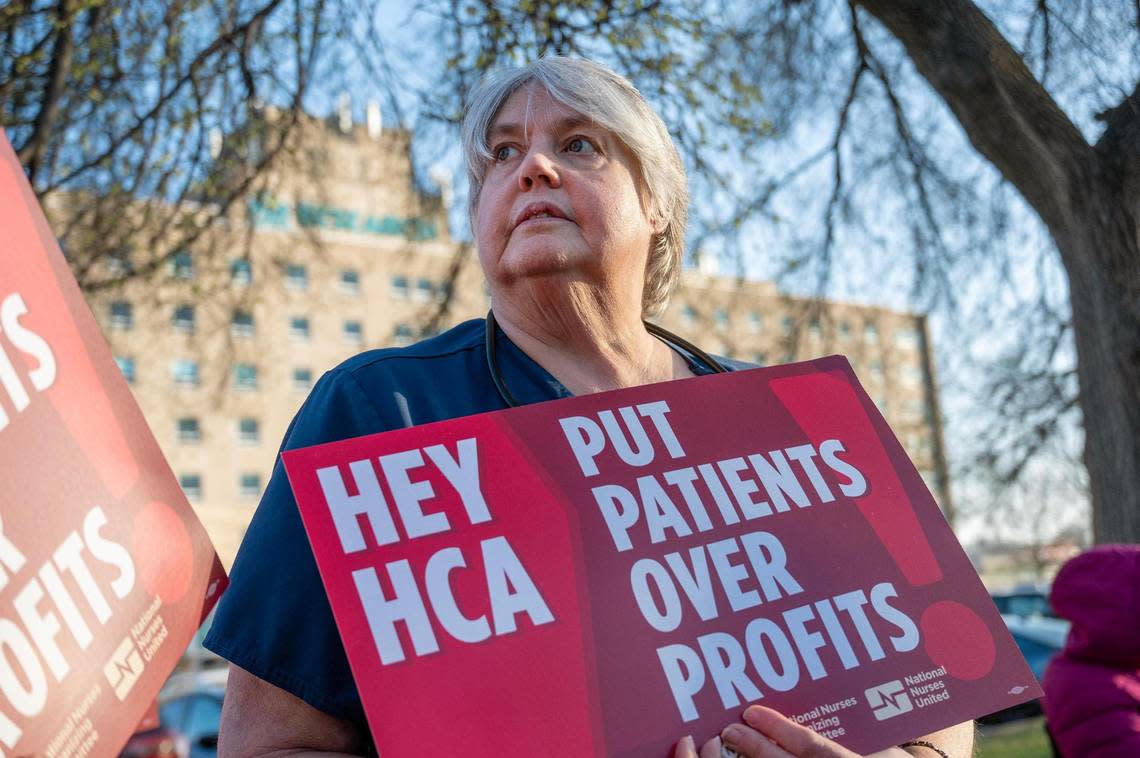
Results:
[1026, 601]
[1038, 637]
[183, 723]
[195, 715]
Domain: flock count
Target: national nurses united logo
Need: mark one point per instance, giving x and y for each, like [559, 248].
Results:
[888, 700]
[124, 668]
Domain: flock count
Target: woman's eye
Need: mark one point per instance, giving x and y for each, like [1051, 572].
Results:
[503, 152]
[581, 145]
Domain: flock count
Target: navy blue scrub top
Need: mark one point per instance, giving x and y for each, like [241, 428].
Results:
[274, 621]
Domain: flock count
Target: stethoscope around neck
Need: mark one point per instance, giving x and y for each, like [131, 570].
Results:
[490, 338]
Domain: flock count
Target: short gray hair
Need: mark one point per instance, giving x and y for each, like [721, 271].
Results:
[612, 102]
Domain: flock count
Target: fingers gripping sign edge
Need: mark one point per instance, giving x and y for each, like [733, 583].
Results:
[773, 734]
[741, 741]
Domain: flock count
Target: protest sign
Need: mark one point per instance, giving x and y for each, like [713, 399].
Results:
[105, 572]
[602, 574]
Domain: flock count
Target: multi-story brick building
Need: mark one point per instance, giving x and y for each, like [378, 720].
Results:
[345, 256]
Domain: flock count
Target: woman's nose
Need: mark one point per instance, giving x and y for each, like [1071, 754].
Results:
[538, 167]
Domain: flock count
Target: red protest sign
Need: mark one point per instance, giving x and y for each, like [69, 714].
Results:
[603, 574]
[105, 572]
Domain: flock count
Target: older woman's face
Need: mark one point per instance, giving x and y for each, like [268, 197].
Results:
[560, 196]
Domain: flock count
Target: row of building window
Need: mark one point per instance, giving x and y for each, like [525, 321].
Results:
[297, 278]
[248, 430]
[909, 375]
[908, 339]
[181, 266]
[250, 483]
[423, 291]
[185, 373]
[184, 321]
[249, 486]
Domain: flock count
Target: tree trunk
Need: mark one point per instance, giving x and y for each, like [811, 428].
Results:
[1088, 197]
[1102, 258]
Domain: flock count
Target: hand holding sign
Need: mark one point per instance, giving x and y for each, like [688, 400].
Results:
[768, 734]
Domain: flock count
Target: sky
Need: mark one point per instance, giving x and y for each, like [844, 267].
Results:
[992, 287]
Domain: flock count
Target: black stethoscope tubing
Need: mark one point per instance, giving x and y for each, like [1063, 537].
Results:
[670, 339]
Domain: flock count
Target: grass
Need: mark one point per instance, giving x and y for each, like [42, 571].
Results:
[1017, 739]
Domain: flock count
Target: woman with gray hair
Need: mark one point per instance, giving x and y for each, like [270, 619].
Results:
[578, 204]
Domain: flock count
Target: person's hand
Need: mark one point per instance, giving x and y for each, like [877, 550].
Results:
[766, 733]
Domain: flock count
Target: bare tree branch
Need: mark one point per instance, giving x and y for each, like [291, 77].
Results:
[31, 153]
[227, 39]
[993, 94]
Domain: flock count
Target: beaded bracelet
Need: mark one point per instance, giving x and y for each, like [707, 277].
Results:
[924, 743]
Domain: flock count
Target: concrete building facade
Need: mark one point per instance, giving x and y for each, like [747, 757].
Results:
[344, 256]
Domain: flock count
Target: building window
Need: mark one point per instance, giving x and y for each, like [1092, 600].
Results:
[189, 430]
[126, 367]
[844, 330]
[915, 408]
[425, 291]
[787, 324]
[182, 265]
[245, 376]
[350, 281]
[815, 328]
[353, 332]
[400, 287]
[183, 321]
[250, 486]
[403, 335]
[297, 277]
[241, 273]
[185, 373]
[122, 315]
[755, 322]
[120, 265]
[875, 369]
[910, 375]
[919, 445]
[249, 431]
[241, 325]
[907, 339]
[760, 359]
[299, 328]
[720, 318]
[302, 379]
[871, 334]
[191, 486]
